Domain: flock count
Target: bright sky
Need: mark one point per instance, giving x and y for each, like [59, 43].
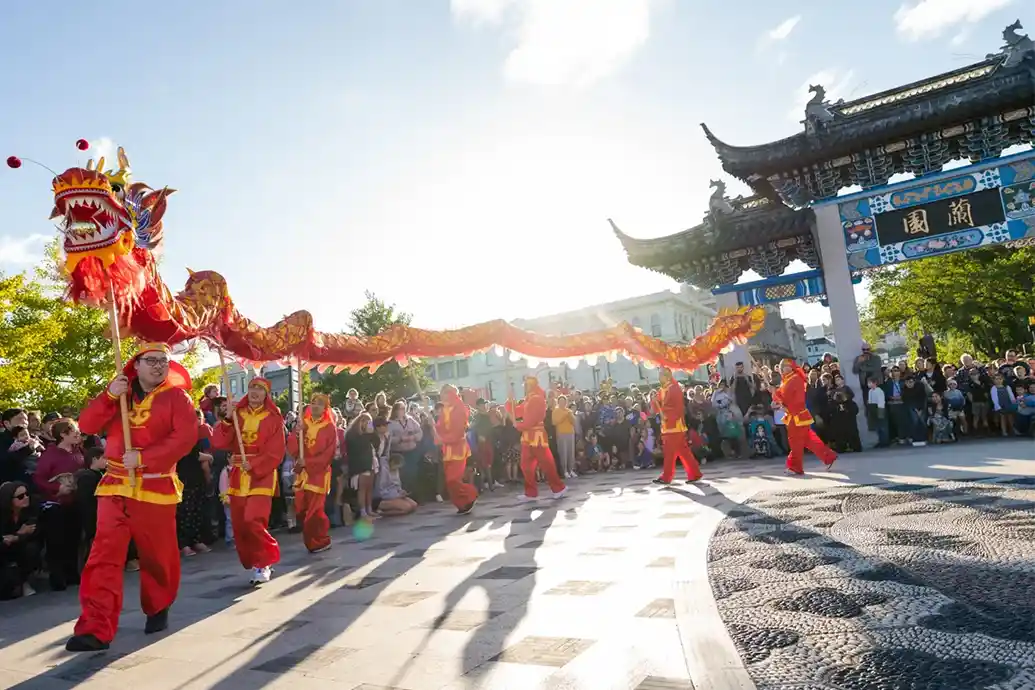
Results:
[458, 158]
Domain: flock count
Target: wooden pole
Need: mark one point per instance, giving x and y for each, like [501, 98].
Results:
[231, 405]
[113, 324]
[301, 417]
[510, 387]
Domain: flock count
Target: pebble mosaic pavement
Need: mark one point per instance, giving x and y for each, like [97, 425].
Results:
[927, 586]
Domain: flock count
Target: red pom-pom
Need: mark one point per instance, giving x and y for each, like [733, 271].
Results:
[82, 144]
[14, 162]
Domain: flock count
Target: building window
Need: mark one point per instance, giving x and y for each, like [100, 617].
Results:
[462, 368]
[233, 386]
[446, 371]
[430, 371]
[655, 325]
[637, 323]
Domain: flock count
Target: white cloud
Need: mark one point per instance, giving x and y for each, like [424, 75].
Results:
[838, 84]
[928, 19]
[22, 250]
[783, 29]
[562, 42]
[103, 147]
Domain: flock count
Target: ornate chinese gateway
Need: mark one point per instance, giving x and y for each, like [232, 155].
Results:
[968, 116]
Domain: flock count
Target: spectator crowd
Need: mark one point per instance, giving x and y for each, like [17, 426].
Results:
[387, 462]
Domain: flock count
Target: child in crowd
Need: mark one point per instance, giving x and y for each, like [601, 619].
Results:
[877, 412]
[599, 461]
[760, 431]
[938, 419]
[956, 403]
[86, 481]
[1004, 403]
[644, 458]
[1025, 419]
[26, 448]
[978, 394]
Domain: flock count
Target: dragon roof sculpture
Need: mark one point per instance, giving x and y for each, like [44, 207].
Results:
[113, 229]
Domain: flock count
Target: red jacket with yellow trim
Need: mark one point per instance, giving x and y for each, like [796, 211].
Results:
[530, 415]
[669, 403]
[321, 440]
[791, 394]
[451, 428]
[162, 427]
[263, 433]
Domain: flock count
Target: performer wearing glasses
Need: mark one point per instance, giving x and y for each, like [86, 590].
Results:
[163, 428]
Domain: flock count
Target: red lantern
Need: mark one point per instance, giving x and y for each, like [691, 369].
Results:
[14, 162]
[82, 144]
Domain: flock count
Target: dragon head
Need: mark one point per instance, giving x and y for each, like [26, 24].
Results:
[104, 215]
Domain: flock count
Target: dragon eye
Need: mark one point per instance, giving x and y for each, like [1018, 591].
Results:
[116, 188]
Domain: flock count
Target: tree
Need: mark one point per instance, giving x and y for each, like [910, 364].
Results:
[55, 354]
[199, 377]
[978, 301]
[397, 382]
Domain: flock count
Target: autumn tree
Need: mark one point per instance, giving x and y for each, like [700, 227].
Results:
[53, 353]
[397, 382]
[978, 301]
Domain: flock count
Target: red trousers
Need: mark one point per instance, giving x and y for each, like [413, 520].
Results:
[674, 445]
[250, 515]
[539, 456]
[461, 493]
[152, 528]
[801, 437]
[309, 506]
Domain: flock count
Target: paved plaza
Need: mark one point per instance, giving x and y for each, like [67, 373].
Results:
[906, 569]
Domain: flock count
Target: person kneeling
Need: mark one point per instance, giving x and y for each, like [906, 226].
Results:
[394, 500]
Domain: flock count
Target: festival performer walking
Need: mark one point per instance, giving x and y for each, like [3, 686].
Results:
[253, 478]
[535, 447]
[142, 507]
[669, 403]
[451, 430]
[313, 481]
[791, 395]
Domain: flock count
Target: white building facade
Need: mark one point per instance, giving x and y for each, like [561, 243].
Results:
[673, 316]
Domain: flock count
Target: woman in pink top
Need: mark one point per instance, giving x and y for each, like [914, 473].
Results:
[59, 519]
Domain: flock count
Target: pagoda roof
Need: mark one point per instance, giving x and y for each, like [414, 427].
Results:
[913, 128]
[737, 234]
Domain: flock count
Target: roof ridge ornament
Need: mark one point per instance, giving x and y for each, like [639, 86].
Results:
[818, 111]
[718, 206]
[1017, 46]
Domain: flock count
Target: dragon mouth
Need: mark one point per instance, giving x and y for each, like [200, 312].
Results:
[90, 220]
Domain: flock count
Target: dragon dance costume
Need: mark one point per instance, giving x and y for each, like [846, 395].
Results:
[314, 481]
[163, 428]
[451, 428]
[251, 490]
[669, 403]
[791, 394]
[535, 448]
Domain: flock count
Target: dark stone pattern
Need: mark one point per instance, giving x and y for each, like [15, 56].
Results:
[828, 602]
[793, 562]
[916, 670]
[933, 586]
[723, 587]
[756, 644]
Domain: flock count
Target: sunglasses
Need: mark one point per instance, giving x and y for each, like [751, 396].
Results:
[20, 496]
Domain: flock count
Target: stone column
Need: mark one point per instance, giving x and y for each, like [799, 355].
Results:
[844, 312]
[728, 300]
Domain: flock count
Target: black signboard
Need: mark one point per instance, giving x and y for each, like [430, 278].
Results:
[940, 217]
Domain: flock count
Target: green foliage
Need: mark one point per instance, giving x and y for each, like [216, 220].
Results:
[55, 354]
[397, 382]
[976, 301]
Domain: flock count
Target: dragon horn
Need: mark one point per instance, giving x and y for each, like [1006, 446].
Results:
[89, 164]
[100, 165]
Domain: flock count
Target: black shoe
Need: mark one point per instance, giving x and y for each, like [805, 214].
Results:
[157, 622]
[661, 481]
[693, 481]
[57, 583]
[466, 509]
[85, 643]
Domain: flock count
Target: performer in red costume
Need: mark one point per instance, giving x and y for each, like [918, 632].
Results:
[669, 403]
[535, 449]
[800, 435]
[163, 428]
[314, 473]
[451, 429]
[253, 478]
